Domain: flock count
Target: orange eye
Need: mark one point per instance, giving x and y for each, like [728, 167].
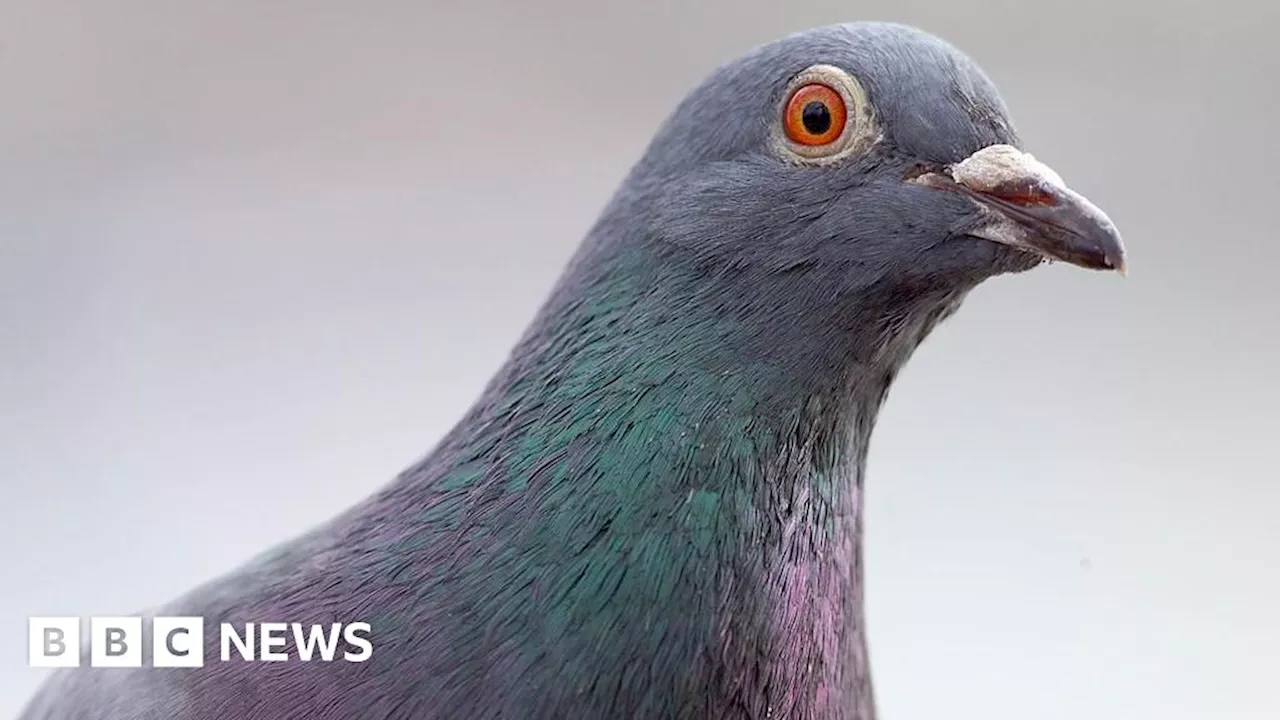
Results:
[815, 115]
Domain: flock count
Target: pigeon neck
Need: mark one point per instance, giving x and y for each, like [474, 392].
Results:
[699, 476]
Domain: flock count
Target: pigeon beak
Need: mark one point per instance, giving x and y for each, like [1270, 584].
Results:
[1026, 204]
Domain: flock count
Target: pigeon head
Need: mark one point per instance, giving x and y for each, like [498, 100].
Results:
[873, 159]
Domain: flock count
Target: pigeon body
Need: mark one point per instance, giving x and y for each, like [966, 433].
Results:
[654, 510]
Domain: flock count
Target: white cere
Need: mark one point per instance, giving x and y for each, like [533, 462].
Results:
[993, 165]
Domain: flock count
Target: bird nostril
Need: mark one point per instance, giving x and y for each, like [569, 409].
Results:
[1024, 191]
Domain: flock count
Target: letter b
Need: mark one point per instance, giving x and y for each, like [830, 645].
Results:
[53, 642]
[115, 642]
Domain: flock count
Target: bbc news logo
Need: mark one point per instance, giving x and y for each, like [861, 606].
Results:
[178, 642]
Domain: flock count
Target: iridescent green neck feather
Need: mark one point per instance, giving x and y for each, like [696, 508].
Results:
[655, 506]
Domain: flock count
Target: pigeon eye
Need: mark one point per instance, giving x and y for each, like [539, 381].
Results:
[815, 115]
[825, 116]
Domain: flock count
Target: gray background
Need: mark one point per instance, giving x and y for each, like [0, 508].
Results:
[256, 257]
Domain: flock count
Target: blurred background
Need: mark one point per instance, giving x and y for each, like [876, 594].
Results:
[255, 258]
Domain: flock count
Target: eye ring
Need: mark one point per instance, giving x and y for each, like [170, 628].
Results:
[824, 117]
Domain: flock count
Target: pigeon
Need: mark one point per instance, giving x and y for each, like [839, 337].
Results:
[654, 509]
